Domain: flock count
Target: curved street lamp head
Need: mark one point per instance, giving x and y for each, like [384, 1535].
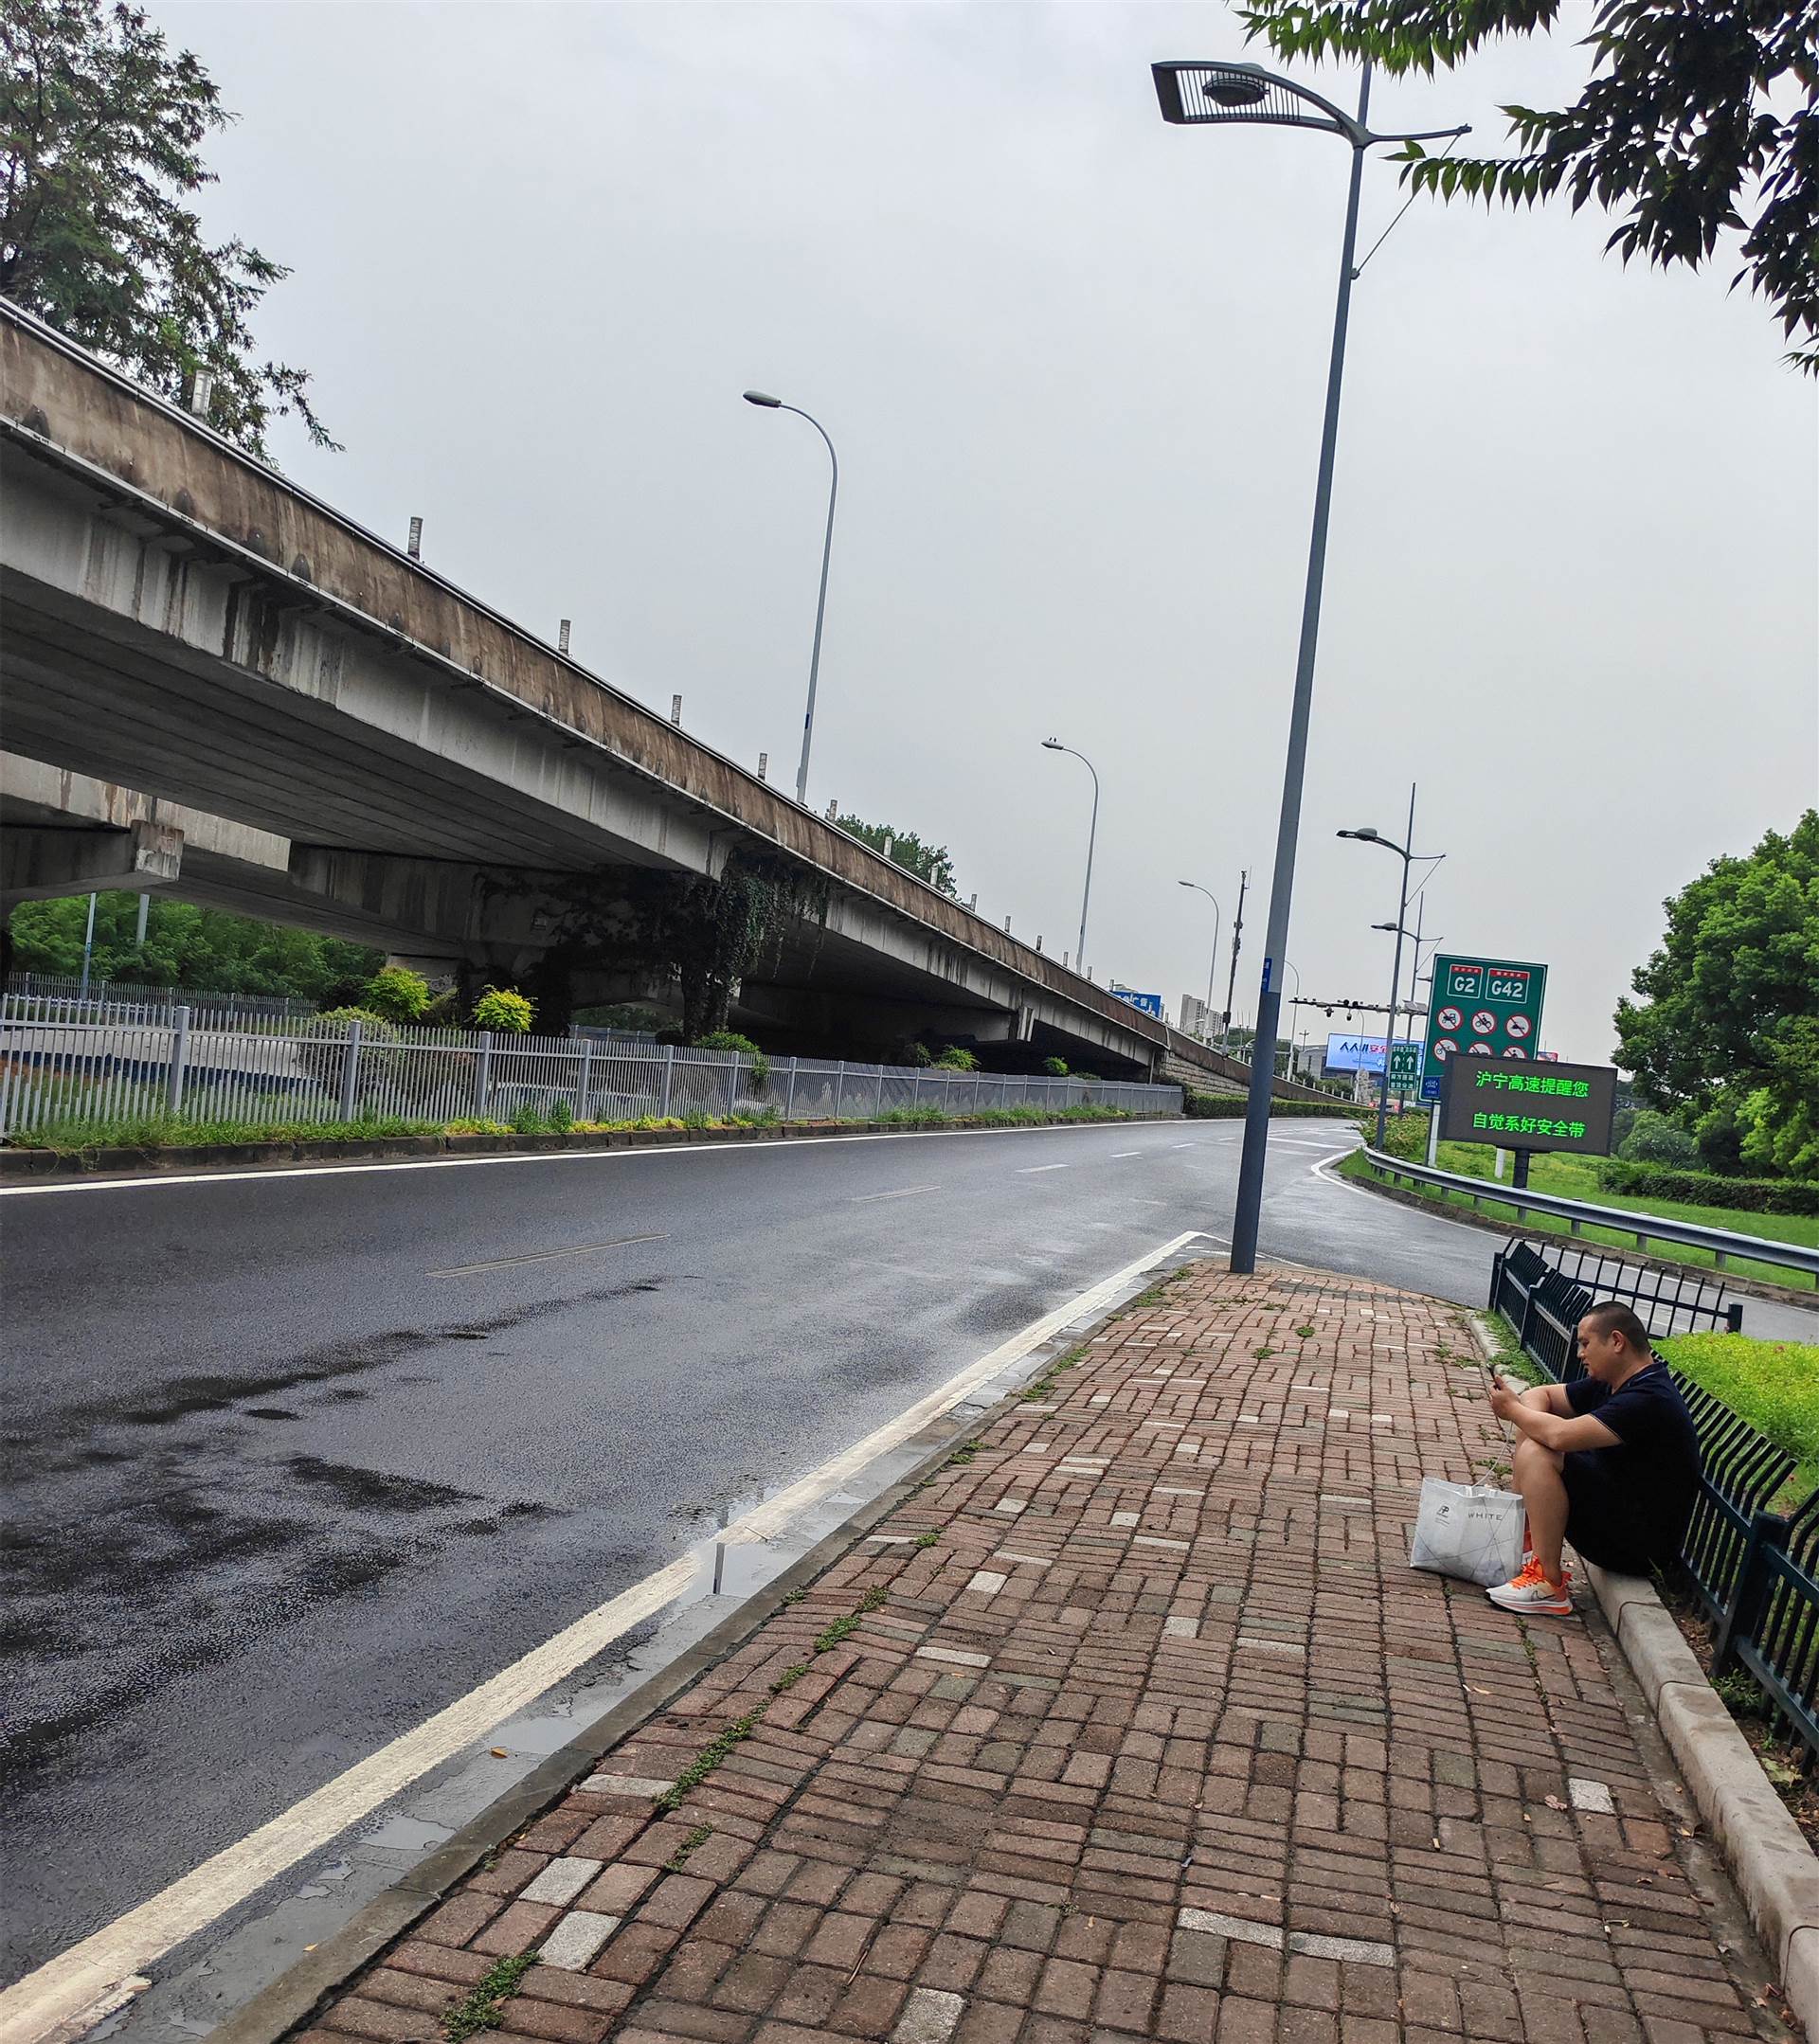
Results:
[760, 397]
[1368, 833]
[1202, 95]
[1053, 745]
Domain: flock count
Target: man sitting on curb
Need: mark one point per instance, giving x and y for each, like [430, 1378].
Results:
[1609, 1462]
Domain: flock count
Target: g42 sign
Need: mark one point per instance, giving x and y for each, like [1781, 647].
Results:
[1481, 1007]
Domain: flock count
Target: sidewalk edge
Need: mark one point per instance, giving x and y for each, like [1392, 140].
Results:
[1776, 1870]
[286, 2002]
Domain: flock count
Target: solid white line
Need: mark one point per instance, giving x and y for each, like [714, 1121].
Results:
[1183, 1145]
[1117, 1154]
[1028, 1171]
[271, 1173]
[541, 1256]
[32, 2008]
[903, 1191]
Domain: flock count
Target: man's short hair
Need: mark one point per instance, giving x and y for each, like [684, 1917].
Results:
[1611, 1316]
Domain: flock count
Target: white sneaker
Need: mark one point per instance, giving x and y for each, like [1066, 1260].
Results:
[1531, 1591]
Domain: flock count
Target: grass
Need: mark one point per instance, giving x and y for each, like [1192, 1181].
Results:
[152, 1129]
[1773, 1384]
[483, 2007]
[1576, 1177]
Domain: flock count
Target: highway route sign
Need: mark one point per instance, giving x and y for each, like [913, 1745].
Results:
[1484, 1004]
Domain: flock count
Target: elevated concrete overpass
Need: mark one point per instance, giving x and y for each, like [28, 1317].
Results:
[290, 717]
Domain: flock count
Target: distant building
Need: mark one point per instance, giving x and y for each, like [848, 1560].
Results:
[1198, 1019]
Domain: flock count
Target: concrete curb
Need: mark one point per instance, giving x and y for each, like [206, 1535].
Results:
[1776, 1870]
[287, 2002]
[1786, 1294]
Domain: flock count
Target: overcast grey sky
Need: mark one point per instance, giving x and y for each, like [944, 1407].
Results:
[1073, 362]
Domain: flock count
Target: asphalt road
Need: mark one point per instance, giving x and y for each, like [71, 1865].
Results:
[299, 1458]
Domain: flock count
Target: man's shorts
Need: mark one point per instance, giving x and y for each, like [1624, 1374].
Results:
[1597, 1522]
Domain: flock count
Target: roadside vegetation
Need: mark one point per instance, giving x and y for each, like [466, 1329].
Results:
[1773, 1384]
[1580, 1177]
[153, 1131]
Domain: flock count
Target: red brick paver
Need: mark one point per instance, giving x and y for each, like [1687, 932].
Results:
[1158, 1737]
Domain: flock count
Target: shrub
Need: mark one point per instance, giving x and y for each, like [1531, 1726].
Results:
[397, 994]
[503, 1009]
[920, 1055]
[957, 1058]
[727, 1039]
[444, 1012]
[1654, 1138]
[321, 1045]
[1704, 1188]
[1231, 1107]
[1056, 1067]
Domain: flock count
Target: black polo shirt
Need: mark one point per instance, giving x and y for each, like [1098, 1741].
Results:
[1650, 1477]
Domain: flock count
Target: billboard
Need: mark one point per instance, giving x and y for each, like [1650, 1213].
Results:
[1518, 1107]
[1358, 1053]
[1481, 1007]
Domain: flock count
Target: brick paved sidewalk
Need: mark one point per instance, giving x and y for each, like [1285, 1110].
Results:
[1132, 1723]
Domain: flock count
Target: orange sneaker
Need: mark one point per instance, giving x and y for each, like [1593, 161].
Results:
[1530, 1590]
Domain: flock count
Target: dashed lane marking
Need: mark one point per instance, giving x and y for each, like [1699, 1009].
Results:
[542, 1256]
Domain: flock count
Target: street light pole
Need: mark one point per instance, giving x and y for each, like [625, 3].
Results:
[1213, 963]
[1238, 938]
[1369, 835]
[1195, 93]
[777, 405]
[1055, 745]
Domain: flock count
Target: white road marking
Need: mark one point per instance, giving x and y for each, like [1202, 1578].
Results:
[1183, 1145]
[269, 1175]
[111, 1959]
[542, 1256]
[1116, 1155]
[1028, 1171]
[903, 1191]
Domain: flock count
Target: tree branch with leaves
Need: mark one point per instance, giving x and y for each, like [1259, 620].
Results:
[101, 132]
[1699, 120]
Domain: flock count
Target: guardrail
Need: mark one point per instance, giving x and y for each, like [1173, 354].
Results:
[1583, 1213]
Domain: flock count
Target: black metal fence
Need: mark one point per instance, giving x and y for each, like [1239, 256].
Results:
[1753, 1570]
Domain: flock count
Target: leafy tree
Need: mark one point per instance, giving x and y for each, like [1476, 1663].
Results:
[1700, 117]
[185, 947]
[904, 849]
[102, 126]
[1727, 1032]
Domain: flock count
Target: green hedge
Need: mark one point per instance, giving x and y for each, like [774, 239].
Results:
[1704, 1188]
[1230, 1106]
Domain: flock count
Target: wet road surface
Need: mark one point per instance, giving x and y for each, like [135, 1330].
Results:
[298, 1460]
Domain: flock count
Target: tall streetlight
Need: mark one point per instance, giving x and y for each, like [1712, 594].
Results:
[1209, 94]
[1055, 745]
[1237, 941]
[1213, 964]
[1368, 835]
[777, 405]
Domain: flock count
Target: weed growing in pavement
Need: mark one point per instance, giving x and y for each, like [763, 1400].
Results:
[680, 1858]
[708, 1759]
[1528, 1644]
[965, 1452]
[484, 2008]
[873, 1600]
[789, 1678]
[1264, 1353]
[1305, 1333]
[1039, 1388]
[927, 1539]
[796, 1595]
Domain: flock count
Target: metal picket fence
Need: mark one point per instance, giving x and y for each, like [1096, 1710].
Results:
[58, 1069]
[1753, 1570]
[61, 996]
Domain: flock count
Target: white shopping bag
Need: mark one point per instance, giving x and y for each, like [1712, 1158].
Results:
[1468, 1532]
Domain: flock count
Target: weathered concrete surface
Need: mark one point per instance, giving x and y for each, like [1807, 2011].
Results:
[183, 620]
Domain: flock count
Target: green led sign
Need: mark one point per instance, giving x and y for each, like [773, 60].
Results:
[1481, 1006]
[1565, 1108]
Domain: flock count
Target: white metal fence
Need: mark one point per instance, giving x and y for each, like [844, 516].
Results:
[59, 1071]
[60, 996]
